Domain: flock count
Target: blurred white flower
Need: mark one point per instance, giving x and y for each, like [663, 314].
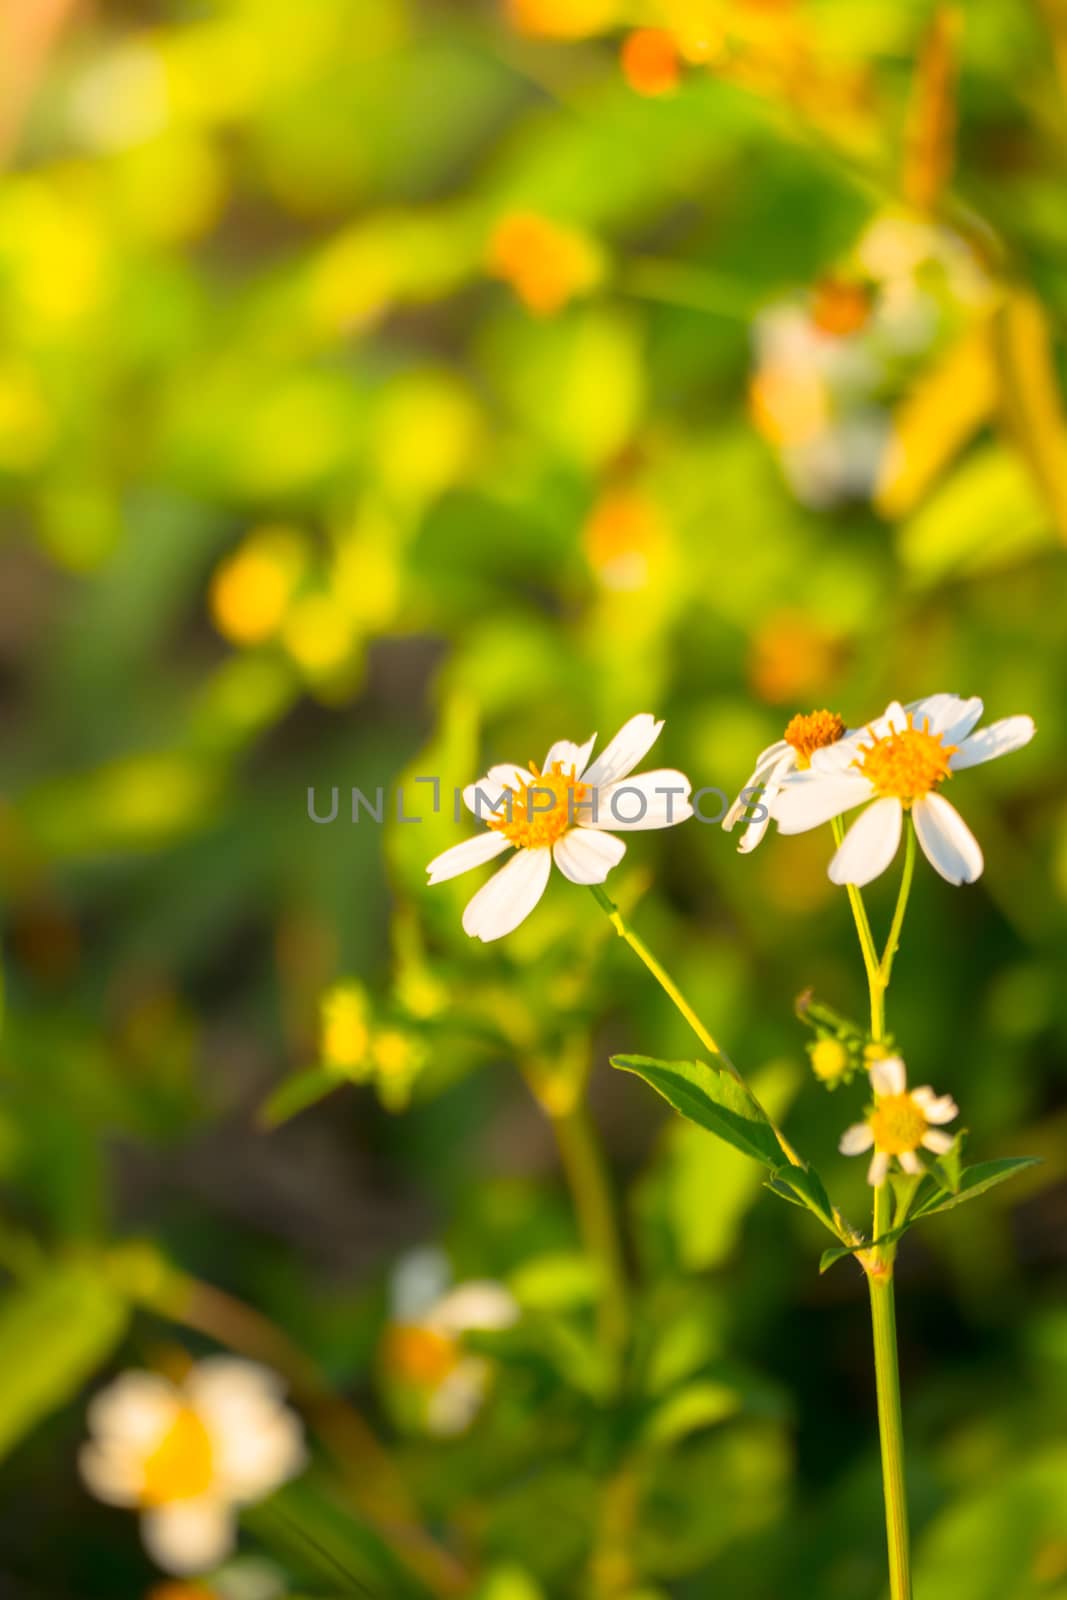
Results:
[423, 1353]
[899, 763]
[565, 811]
[188, 1454]
[900, 1123]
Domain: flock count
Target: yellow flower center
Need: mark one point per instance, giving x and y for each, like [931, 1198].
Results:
[906, 765]
[182, 1465]
[813, 732]
[419, 1355]
[542, 811]
[897, 1123]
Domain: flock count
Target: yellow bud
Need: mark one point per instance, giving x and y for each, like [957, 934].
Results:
[829, 1059]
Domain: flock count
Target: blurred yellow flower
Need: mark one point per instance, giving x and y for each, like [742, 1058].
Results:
[319, 635]
[900, 1123]
[251, 590]
[624, 535]
[563, 19]
[545, 263]
[651, 63]
[344, 1028]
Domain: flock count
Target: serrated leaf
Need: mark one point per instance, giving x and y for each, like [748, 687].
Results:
[55, 1331]
[299, 1093]
[712, 1099]
[975, 1181]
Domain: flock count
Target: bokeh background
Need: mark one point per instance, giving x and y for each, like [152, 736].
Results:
[388, 387]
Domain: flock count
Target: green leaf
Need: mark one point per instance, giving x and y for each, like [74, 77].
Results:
[805, 1186]
[696, 1405]
[712, 1099]
[949, 1167]
[840, 1251]
[975, 1181]
[299, 1093]
[55, 1332]
[313, 1533]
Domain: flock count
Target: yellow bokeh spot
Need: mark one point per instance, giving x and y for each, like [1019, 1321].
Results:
[318, 634]
[182, 1465]
[545, 263]
[623, 537]
[429, 431]
[250, 592]
[353, 280]
[563, 19]
[52, 241]
[345, 1035]
[365, 577]
[26, 424]
[172, 188]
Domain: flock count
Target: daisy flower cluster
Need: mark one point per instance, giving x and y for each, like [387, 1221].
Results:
[899, 1123]
[187, 1455]
[894, 766]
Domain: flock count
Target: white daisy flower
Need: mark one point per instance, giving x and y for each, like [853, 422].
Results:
[187, 1454]
[900, 1122]
[791, 753]
[566, 811]
[899, 763]
[423, 1351]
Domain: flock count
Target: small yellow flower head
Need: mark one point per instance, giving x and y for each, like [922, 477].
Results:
[398, 1057]
[899, 1123]
[830, 1059]
[345, 1029]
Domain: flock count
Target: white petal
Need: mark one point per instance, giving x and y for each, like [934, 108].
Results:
[766, 777]
[134, 1411]
[839, 756]
[856, 1139]
[493, 789]
[937, 1140]
[471, 853]
[773, 751]
[754, 832]
[630, 744]
[888, 1076]
[570, 754]
[479, 1304]
[647, 800]
[112, 1475]
[585, 855]
[878, 1168]
[256, 1454]
[999, 739]
[869, 845]
[910, 1162]
[810, 799]
[509, 896]
[948, 844]
[941, 1109]
[188, 1535]
[947, 714]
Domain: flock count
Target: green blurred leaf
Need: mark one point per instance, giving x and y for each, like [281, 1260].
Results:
[299, 1093]
[55, 1332]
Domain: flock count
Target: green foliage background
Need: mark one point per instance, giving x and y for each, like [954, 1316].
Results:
[253, 308]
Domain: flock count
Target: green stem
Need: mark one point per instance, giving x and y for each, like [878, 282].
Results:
[887, 1381]
[859, 913]
[671, 989]
[587, 1177]
[892, 944]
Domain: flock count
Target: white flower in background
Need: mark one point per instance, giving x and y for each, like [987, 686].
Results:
[896, 764]
[188, 1454]
[568, 812]
[423, 1354]
[804, 735]
[900, 1123]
